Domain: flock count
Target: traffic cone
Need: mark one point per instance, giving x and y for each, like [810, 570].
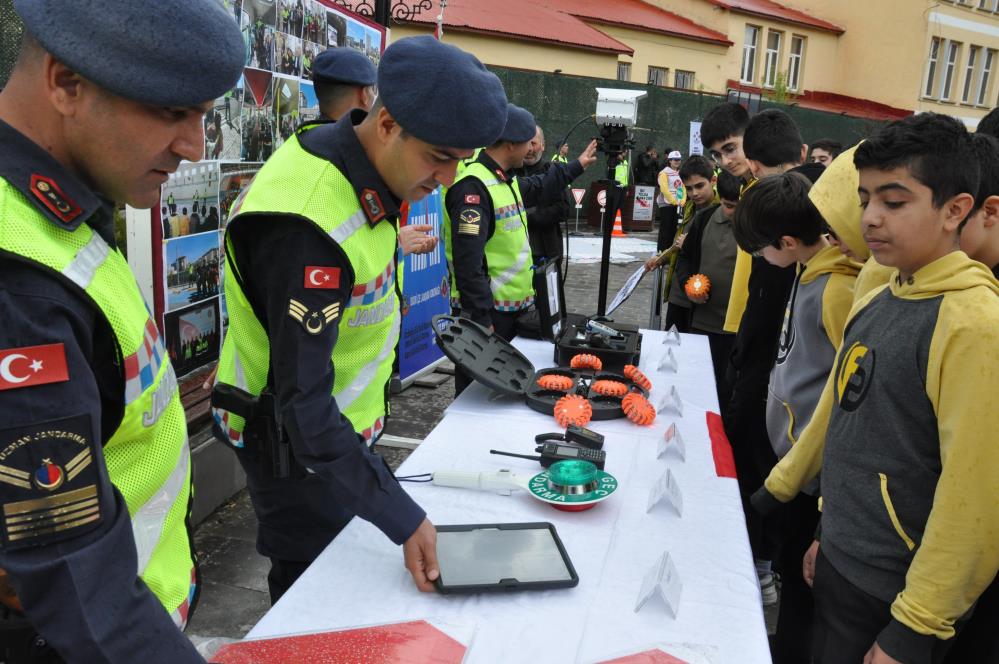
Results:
[618, 228]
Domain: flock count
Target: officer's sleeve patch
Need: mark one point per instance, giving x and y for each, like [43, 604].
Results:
[468, 222]
[50, 486]
[313, 321]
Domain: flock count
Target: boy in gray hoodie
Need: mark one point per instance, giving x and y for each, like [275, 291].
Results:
[776, 221]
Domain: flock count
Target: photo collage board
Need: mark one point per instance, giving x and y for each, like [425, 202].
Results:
[273, 97]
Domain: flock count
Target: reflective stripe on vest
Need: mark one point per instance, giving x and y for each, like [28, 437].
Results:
[147, 456]
[296, 182]
[508, 251]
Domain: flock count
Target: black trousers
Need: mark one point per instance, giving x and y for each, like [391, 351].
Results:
[721, 348]
[848, 620]
[679, 316]
[793, 529]
[505, 326]
[669, 220]
[297, 517]
[979, 640]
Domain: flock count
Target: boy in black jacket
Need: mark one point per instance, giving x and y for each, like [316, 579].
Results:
[710, 249]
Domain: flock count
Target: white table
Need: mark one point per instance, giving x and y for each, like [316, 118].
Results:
[360, 580]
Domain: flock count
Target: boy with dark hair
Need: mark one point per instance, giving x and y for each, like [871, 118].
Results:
[824, 150]
[756, 308]
[777, 220]
[989, 124]
[698, 177]
[709, 249]
[977, 642]
[904, 432]
[721, 135]
[772, 141]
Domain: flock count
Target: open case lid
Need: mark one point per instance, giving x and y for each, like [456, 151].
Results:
[483, 355]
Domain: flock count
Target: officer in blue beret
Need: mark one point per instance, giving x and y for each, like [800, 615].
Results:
[312, 273]
[344, 80]
[486, 235]
[104, 101]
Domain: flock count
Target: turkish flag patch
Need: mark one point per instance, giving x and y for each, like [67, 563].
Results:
[472, 199]
[322, 277]
[33, 365]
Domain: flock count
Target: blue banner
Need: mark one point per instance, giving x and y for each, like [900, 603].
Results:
[425, 292]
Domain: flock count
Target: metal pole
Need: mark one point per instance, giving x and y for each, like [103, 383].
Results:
[614, 195]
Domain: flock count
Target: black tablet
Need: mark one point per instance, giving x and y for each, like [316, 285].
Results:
[502, 556]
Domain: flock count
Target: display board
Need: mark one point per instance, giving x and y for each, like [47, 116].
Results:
[425, 291]
[273, 97]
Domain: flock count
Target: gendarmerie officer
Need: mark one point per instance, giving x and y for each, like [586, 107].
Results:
[94, 465]
[313, 304]
[344, 80]
[486, 237]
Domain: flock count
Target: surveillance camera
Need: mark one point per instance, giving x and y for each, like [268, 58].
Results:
[618, 107]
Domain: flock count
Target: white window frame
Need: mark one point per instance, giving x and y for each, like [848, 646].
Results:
[749, 53]
[952, 50]
[771, 58]
[795, 62]
[659, 76]
[687, 76]
[969, 73]
[932, 63]
[623, 68]
[985, 76]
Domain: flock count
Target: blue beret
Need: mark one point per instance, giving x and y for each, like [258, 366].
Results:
[520, 125]
[166, 53]
[344, 66]
[441, 94]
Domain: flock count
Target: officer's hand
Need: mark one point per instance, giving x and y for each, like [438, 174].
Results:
[420, 554]
[416, 239]
[589, 156]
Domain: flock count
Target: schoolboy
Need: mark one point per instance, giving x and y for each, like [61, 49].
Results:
[777, 221]
[771, 144]
[978, 641]
[721, 134]
[710, 249]
[698, 177]
[904, 432]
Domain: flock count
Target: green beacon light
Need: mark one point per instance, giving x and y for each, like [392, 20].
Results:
[573, 485]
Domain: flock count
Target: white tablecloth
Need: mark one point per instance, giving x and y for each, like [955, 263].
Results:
[360, 579]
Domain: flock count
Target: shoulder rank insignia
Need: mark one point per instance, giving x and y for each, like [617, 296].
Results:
[373, 207]
[314, 322]
[469, 222]
[49, 485]
[52, 197]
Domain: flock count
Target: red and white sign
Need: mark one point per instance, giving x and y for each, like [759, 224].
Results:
[578, 195]
[602, 198]
[33, 365]
[322, 277]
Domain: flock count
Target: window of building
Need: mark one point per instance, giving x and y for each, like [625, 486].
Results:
[984, 4]
[624, 71]
[983, 78]
[931, 67]
[969, 73]
[684, 79]
[749, 53]
[772, 58]
[659, 76]
[794, 62]
[950, 64]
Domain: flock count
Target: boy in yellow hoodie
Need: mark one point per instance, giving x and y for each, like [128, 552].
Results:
[776, 220]
[905, 430]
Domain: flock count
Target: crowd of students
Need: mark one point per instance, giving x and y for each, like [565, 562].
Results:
[853, 319]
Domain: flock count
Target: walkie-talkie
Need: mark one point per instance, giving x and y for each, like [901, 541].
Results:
[552, 452]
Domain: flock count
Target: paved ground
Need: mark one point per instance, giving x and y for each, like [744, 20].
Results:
[234, 591]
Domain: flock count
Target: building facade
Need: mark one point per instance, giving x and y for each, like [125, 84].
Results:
[881, 60]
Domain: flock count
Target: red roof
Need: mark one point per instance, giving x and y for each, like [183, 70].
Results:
[770, 9]
[638, 15]
[832, 102]
[523, 19]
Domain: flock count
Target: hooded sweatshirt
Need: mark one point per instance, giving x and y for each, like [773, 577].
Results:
[836, 198]
[905, 435]
[814, 319]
